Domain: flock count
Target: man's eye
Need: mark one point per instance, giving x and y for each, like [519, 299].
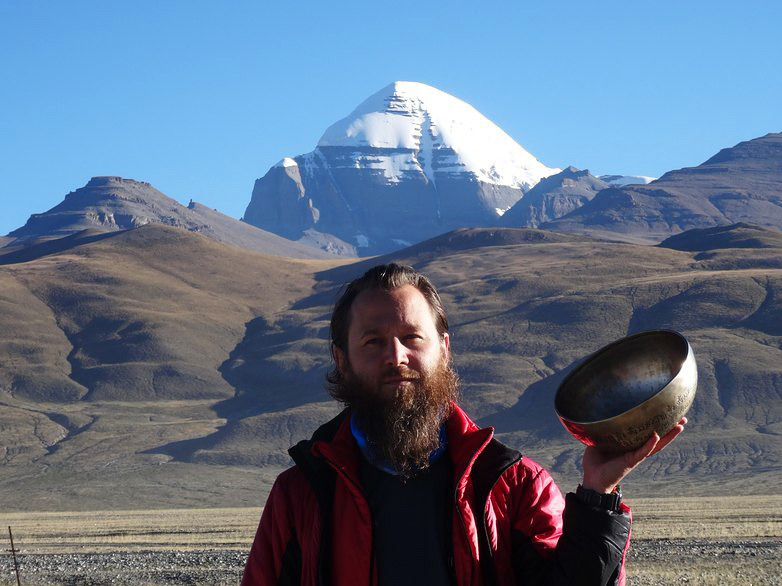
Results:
[372, 341]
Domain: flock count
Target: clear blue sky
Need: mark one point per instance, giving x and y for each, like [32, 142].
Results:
[201, 98]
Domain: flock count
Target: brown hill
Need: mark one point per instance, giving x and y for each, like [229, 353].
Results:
[725, 237]
[159, 368]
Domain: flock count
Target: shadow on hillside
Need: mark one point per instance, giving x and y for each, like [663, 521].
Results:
[534, 411]
[183, 450]
[331, 283]
[49, 247]
[277, 366]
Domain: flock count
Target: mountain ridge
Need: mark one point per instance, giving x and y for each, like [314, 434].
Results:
[111, 203]
[739, 184]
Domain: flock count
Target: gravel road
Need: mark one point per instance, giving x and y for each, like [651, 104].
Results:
[748, 562]
[657, 562]
[145, 568]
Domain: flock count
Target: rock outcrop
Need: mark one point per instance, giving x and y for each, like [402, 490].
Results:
[113, 203]
[553, 198]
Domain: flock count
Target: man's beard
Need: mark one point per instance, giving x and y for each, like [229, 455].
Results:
[402, 427]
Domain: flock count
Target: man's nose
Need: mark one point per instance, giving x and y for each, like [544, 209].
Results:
[396, 353]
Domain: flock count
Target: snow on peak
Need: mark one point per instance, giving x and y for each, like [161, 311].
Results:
[622, 180]
[287, 162]
[423, 120]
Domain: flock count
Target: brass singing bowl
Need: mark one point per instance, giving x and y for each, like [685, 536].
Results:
[623, 393]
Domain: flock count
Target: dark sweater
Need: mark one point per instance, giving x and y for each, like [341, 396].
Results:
[411, 524]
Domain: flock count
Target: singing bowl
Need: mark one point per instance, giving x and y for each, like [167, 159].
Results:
[623, 393]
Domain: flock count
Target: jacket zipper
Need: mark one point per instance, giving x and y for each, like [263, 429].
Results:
[483, 512]
[372, 555]
[372, 525]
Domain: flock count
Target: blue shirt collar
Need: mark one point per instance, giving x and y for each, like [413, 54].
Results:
[369, 451]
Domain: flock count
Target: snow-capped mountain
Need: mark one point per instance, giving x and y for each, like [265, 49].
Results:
[439, 135]
[622, 180]
[408, 163]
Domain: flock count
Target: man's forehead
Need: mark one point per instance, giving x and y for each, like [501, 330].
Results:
[406, 304]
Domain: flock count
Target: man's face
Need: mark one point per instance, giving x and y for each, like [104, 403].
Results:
[397, 376]
[392, 340]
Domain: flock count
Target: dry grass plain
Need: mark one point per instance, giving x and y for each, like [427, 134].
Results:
[132, 531]
[710, 540]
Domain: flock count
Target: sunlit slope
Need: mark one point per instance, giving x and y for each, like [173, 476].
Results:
[147, 314]
[114, 348]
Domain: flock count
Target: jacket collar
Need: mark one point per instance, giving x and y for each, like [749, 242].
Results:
[334, 442]
[466, 441]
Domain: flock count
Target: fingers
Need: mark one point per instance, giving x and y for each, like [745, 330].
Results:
[670, 436]
[656, 443]
[646, 450]
[602, 471]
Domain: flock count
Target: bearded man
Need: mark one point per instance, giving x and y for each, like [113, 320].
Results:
[402, 488]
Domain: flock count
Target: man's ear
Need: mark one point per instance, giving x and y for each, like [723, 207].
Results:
[340, 359]
[446, 343]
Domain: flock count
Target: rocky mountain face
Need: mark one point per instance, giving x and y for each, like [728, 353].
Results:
[552, 198]
[407, 164]
[738, 184]
[111, 204]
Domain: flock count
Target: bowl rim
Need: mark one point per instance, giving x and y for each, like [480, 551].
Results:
[588, 359]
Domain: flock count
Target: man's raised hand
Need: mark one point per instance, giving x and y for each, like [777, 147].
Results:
[603, 472]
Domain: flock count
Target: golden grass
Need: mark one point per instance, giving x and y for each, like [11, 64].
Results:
[708, 518]
[706, 572]
[709, 541]
[104, 531]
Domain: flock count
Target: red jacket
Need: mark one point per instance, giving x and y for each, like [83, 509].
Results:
[316, 527]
